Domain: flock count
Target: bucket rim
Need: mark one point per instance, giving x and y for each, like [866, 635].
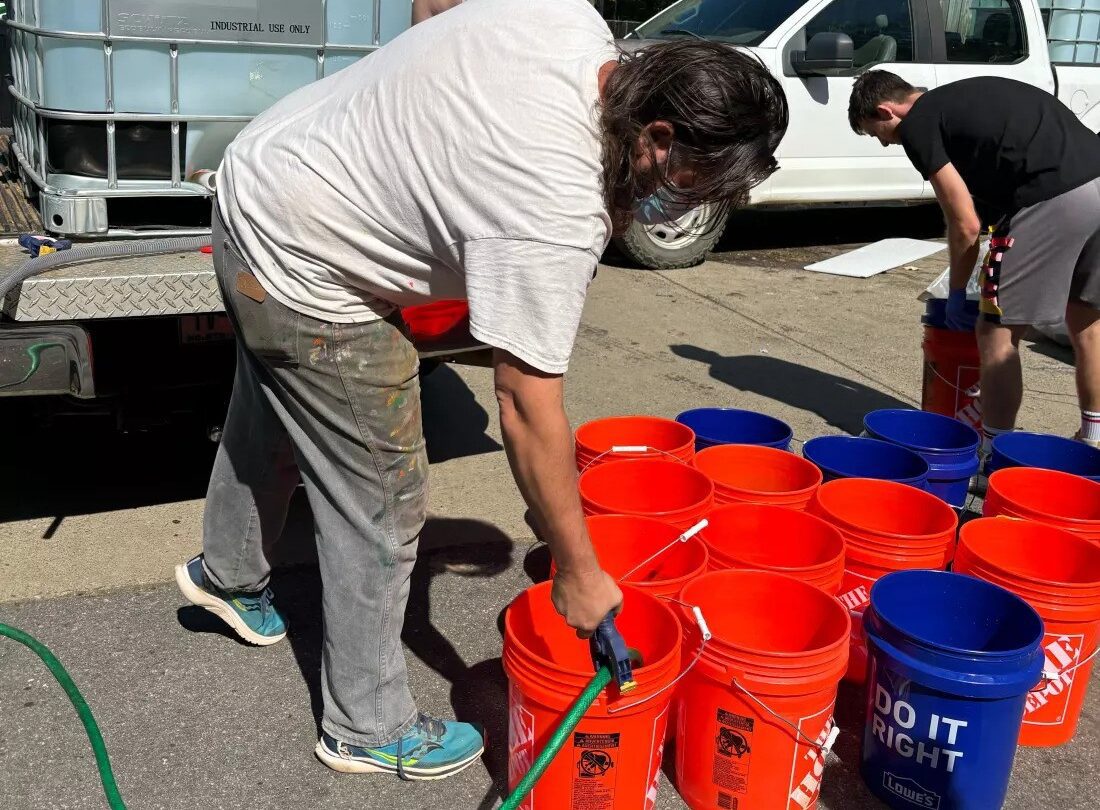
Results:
[1017, 436]
[707, 453]
[1057, 476]
[692, 545]
[889, 447]
[663, 421]
[832, 604]
[833, 532]
[1064, 536]
[971, 446]
[959, 652]
[785, 436]
[928, 498]
[669, 660]
[609, 469]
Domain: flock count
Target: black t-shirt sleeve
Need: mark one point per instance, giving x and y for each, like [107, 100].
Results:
[922, 138]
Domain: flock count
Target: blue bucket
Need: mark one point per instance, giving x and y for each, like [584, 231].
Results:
[952, 660]
[935, 312]
[949, 446]
[852, 457]
[1047, 452]
[733, 426]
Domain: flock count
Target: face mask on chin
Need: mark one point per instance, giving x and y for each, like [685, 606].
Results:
[659, 208]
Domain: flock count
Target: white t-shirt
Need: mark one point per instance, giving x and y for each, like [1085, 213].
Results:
[462, 160]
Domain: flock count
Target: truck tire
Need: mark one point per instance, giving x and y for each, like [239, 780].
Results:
[684, 243]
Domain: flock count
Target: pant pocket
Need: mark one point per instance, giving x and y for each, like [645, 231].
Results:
[269, 329]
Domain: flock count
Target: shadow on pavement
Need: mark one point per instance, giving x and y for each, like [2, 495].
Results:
[462, 547]
[83, 465]
[454, 421]
[839, 401]
[1049, 348]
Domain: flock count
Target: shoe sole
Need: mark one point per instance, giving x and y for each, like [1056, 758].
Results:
[338, 763]
[197, 596]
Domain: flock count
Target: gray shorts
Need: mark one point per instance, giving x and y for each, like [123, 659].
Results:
[1047, 255]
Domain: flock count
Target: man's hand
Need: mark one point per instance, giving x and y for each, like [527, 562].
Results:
[539, 443]
[958, 318]
[584, 599]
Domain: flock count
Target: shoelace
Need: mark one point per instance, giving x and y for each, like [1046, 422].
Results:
[427, 727]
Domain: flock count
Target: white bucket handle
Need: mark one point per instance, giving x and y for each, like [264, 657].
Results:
[683, 538]
[631, 448]
[1049, 677]
[705, 630]
[946, 381]
[824, 747]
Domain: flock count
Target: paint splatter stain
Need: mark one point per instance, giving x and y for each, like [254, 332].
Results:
[318, 352]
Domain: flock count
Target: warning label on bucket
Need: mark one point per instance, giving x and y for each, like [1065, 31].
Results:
[732, 757]
[594, 757]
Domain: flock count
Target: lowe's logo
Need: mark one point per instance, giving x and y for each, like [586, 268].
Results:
[911, 791]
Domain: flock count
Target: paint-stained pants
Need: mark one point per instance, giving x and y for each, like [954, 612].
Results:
[338, 407]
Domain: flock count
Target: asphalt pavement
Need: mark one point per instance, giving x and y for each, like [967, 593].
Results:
[92, 525]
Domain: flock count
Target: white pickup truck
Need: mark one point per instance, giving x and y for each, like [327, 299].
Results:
[1052, 44]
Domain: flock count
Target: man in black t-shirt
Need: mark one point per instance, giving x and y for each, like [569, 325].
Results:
[1011, 156]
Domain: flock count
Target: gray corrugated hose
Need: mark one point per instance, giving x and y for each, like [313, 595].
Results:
[100, 251]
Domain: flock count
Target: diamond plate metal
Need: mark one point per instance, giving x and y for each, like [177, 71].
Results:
[176, 284]
[118, 297]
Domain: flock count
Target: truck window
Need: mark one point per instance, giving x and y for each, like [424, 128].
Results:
[881, 30]
[1073, 30]
[984, 31]
[739, 22]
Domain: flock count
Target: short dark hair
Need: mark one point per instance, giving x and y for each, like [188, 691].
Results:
[727, 110]
[871, 89]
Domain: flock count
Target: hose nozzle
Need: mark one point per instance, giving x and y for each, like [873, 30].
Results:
[609, 649]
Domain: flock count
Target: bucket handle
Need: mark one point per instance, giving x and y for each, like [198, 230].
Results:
[1049, 676]
[705, 630]
[824, 747]
[631, 448]
[948, 382]
[683, 538]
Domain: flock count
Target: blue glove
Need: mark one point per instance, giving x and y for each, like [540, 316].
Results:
[958, 319]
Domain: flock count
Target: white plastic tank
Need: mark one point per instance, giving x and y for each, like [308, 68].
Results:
[124, 98]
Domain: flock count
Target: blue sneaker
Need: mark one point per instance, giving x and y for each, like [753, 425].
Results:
[251, 615]
[432, 749]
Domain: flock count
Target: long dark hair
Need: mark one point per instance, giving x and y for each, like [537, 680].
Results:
[727, 110]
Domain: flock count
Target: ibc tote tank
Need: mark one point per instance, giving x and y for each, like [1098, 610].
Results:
[118, 101]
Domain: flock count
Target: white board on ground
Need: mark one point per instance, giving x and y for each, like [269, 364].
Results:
[878, 257]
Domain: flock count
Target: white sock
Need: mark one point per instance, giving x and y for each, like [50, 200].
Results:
[989, 434]
[1090, 426]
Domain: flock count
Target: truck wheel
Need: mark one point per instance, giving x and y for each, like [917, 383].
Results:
[668, 246]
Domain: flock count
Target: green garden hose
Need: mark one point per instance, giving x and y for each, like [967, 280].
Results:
[107, 777]
[558, 738]
[102, 761]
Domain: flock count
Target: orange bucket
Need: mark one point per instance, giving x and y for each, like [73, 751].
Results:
[652, 436]
[952, 368]
[667, 490]
[1058, 574]
[1058, 499]
[613, 757]
[772, 538]
[748, 473]
[887, 527]
[622, 542]
[776, 641]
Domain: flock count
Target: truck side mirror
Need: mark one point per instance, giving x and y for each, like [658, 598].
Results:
[828, 50]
